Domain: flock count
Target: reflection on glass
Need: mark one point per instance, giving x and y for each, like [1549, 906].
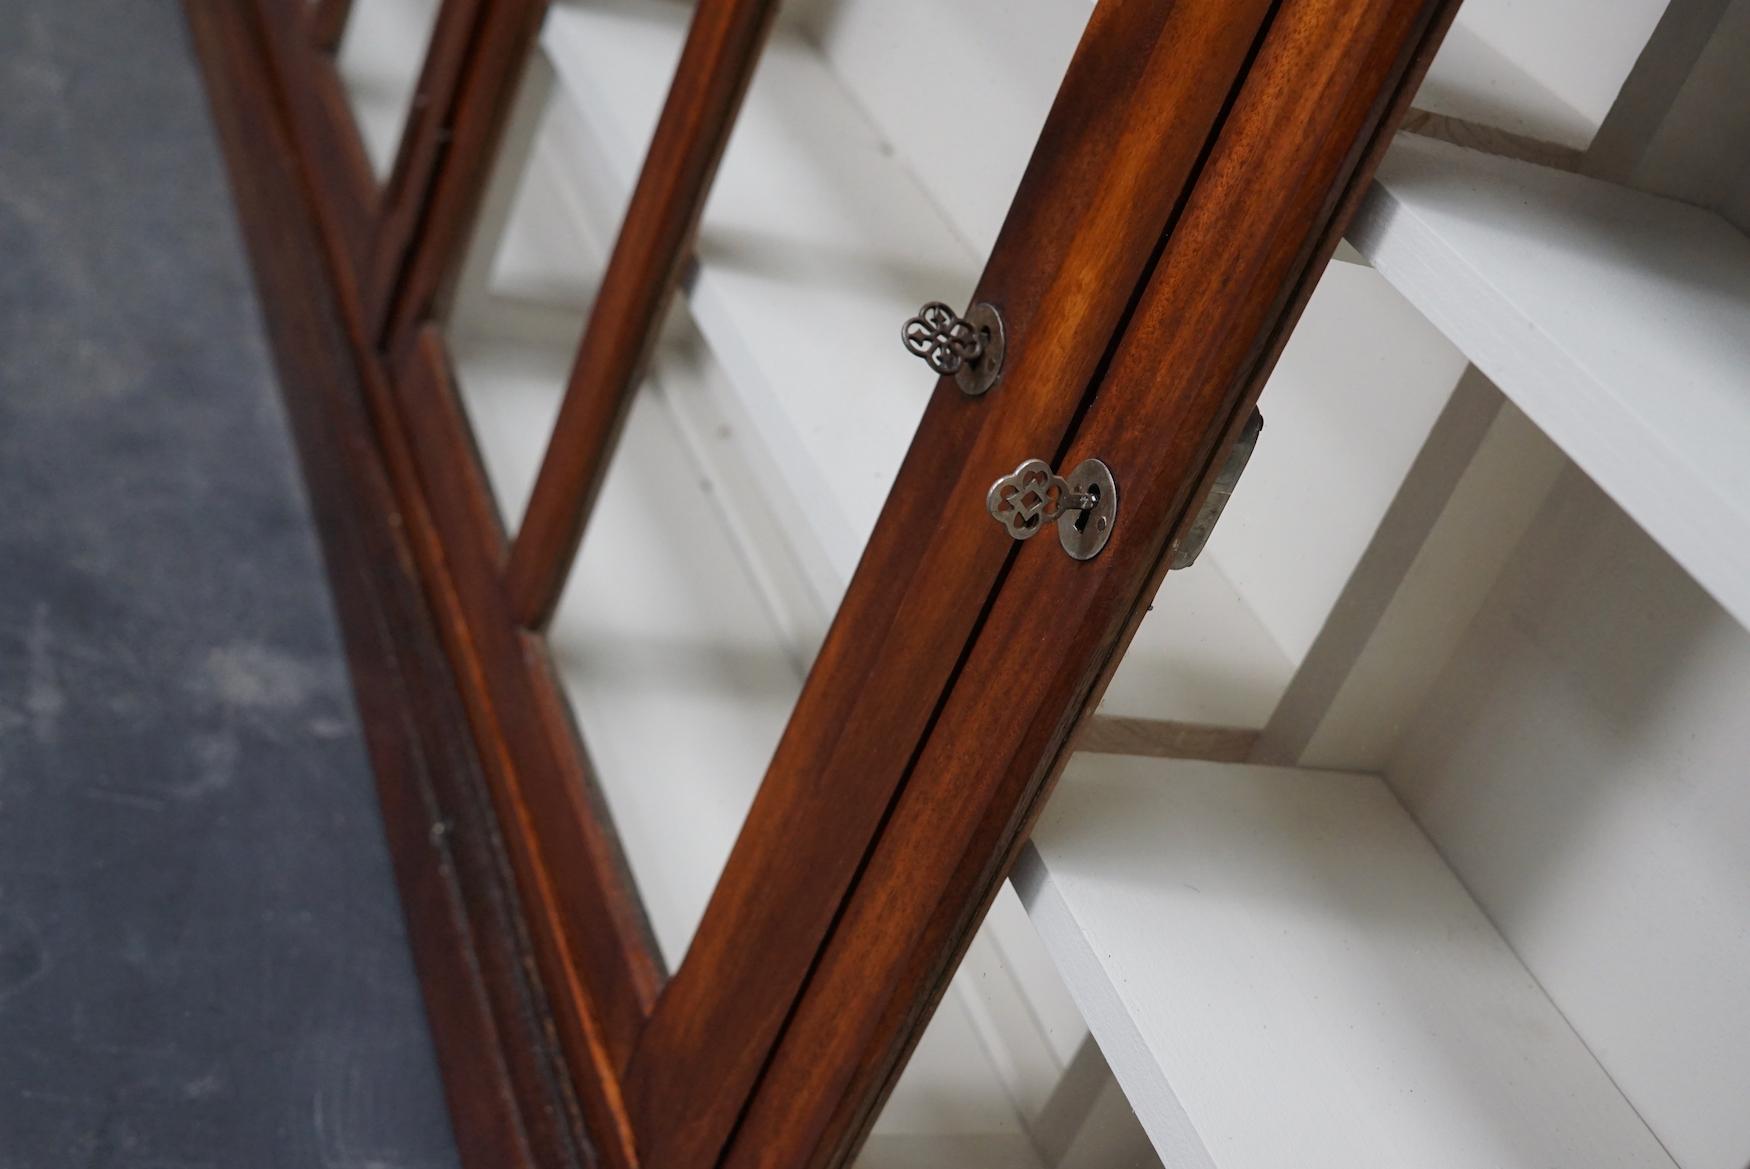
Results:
[379, 59]
[679, 678]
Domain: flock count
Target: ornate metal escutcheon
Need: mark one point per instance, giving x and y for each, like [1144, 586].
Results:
[968, 348]
[1083, 504]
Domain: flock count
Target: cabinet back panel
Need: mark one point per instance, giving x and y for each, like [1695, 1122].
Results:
[1582, 764]
[1701, 150]
[961, 89]
[1345, 411]
[1548, 69]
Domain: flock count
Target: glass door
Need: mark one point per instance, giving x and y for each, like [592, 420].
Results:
[786, 492]
[780, 508]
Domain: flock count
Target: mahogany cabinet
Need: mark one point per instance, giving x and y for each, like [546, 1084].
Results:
[721, 656]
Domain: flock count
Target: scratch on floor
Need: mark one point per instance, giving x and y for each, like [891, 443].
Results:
[250, 675]
[44, 700]
[127, 799]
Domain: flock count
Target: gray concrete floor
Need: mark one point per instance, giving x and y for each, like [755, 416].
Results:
[202, 961]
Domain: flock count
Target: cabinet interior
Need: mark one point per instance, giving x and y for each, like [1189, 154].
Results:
[1451, 700]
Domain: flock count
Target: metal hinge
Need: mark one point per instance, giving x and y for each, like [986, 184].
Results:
[970, 347]
[1186, 551]
[1083, 504]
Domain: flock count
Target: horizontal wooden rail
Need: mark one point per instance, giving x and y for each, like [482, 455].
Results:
[1110, 734]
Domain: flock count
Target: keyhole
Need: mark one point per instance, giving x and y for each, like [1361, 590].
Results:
[1081, 520]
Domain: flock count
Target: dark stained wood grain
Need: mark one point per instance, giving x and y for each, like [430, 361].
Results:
[587, 929]
[509, 1091]
[595, 946]
[1136, 110]
[581, 924]
[467, 88]
[324, 133]
[484, 97]
[1187, 187]
[328, 23]
[716, 63]
[425, 137]
[374, 225]
[1264, 217]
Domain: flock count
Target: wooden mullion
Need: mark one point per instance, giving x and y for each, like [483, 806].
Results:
[424, 137]
[455, 122]
[377, 224]
[1134, 115]
[414, 288]
[1265, 216]
[716, 64]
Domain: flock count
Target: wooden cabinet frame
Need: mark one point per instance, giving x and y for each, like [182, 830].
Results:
[1191, 180]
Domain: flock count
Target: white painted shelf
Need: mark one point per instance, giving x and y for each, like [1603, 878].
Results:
[1619, 322]
[1281, 971]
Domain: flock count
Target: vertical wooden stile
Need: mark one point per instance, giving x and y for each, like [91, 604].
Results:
[510, 1103]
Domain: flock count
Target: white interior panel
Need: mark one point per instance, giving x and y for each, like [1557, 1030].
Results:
[1547, 69]
[1585, 766]
[1347, 408]
[1698, 153]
